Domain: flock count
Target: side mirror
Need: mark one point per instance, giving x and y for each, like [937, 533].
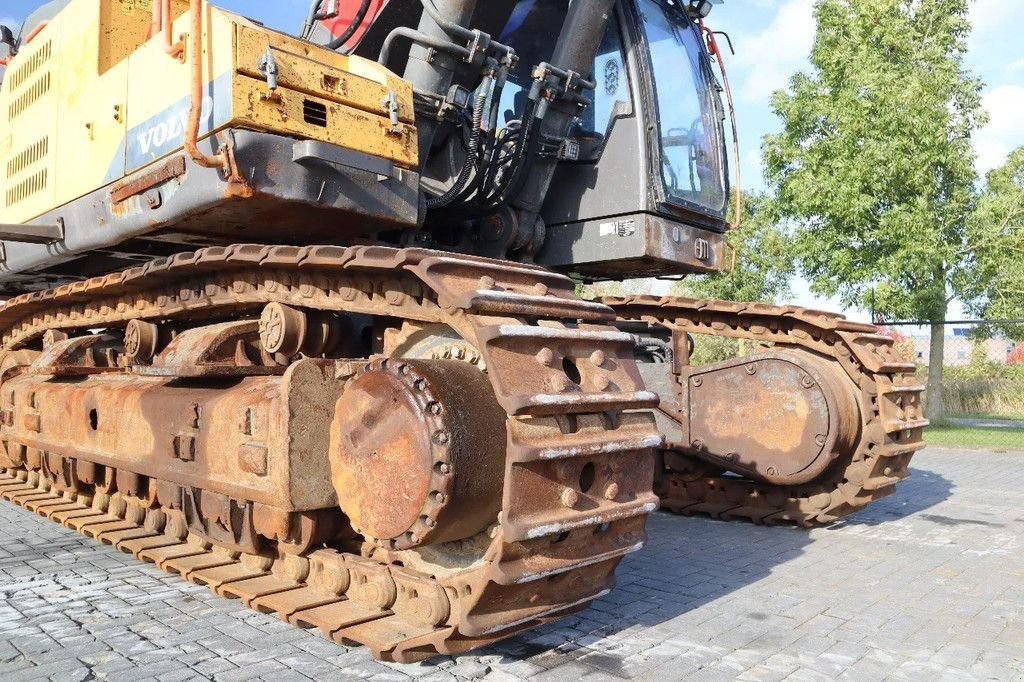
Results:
[7, 38]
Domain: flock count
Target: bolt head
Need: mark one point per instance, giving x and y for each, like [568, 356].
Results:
[570, 498]
[487, 282]
[612, 491]
[598, 358]
[560, 383]
[546, 357]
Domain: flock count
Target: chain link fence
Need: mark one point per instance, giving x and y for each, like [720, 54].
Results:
[982, 381]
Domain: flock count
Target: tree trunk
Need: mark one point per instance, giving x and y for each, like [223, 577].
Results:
[933, 399]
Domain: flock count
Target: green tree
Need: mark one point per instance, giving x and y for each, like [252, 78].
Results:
[874, 164]
[764, 265]
[998, 240]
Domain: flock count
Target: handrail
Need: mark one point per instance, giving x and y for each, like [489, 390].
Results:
[36, 31]
[163, 23]
[196, 107]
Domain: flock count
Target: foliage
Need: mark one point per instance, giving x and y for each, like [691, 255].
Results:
[979, 356]
[982, 387]
[711, 349]
[986, 370]
[1016, 357]
[985, 395]
[627, 288]
[998, 240]
[764, 264]
[874, 163]
[902, 345]
[896, 336]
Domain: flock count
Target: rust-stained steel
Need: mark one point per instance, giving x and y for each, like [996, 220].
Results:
[418, 452]
[818, 425]
[780, 417]
[170, 169]
[195, 442]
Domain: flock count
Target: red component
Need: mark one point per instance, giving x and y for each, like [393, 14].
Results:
[347, 11]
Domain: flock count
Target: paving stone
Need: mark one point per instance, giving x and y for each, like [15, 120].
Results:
[909, 589]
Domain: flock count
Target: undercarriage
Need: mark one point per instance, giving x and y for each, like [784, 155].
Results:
[245, 416]
[815, 418]
[252, 418]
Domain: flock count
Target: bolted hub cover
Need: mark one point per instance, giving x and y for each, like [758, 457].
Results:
[418, 452]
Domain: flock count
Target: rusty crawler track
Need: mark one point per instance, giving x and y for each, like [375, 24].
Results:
[891, 429]
[577, 468]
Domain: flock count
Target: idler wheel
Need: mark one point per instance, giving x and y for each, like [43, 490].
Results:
[287, 331]
[418, 452]
[141, 340]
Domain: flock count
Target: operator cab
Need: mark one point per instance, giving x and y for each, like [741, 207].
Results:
[685, 101]
[646, 204]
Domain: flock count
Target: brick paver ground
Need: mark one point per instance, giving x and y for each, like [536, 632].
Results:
[925, 585]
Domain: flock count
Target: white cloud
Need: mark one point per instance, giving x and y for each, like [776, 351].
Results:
[1005, 130]
[771, 56]
[1016, 66]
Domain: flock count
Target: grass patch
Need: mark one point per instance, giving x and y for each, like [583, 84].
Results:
[952, 436]
[1018, 416]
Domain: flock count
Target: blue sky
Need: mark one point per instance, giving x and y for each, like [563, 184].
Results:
[773, 39]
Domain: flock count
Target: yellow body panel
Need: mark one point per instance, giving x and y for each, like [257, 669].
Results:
[306, 68]
[91, 95]
[91, 100]
[344, 126]
[30, 109]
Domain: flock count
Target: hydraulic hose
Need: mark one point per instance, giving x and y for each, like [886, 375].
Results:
[471, 154]
[307, 27]
[528, 147]
[357, 22]
[421, 38]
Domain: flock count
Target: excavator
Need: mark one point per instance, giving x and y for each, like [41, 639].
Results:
[296, 316]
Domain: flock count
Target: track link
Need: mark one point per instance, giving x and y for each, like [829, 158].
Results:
[579, 462]
[891, 429]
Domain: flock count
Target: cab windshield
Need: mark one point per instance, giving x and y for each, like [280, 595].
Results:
[689, 109]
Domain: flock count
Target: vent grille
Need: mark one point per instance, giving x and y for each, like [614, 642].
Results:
[32, 64]
[28, 158]
[314, 113]
[28, 187]
[29, 97]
